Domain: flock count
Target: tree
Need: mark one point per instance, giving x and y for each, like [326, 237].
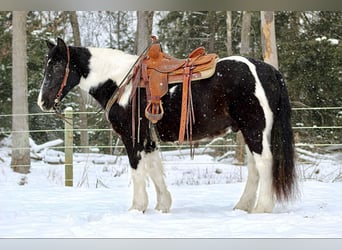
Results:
[182, 32]
[41, 26]
[212, 29]
[245, 33]
[268, 38]
[310, 59]
[5, 69]
[245, 51]
[144, 30]
[20, 136]
[229, 34]
[84, 137]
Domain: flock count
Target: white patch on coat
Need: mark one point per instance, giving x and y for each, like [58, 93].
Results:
[124, 99]
[107, 64]
[172, 90]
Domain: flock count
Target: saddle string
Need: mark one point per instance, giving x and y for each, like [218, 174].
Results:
[190, 115]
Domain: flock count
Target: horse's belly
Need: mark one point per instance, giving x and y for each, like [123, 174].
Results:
[202, 129]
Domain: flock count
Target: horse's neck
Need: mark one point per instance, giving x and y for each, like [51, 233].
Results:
[106, 70]
[106, 64]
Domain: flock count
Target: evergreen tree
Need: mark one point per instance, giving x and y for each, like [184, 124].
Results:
[42, 26]
[182, 32]
[5, 71]
[310, 59]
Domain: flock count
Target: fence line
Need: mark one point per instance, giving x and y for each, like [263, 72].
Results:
[108, 129]
[101, 111]
[317, 108]
[69, 131]
[76, 130]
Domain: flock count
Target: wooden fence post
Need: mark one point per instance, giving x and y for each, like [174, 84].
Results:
[240, 149]
[68, 138]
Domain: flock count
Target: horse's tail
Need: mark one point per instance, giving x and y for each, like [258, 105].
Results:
[284, 172]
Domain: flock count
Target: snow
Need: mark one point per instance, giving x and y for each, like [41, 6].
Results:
[204, 192]
[332, 41]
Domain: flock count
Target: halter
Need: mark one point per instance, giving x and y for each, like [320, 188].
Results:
[65, 78]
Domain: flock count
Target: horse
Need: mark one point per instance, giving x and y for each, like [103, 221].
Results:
[243, 94]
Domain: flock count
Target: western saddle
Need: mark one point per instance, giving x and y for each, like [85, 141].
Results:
[155, 70]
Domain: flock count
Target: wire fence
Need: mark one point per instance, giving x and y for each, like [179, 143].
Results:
[204, 144]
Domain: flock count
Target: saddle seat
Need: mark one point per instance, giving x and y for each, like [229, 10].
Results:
[203, 65]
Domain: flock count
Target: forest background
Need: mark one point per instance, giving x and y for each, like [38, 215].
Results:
[308, 46]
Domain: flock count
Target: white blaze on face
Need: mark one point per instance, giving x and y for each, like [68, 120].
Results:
[40, 101]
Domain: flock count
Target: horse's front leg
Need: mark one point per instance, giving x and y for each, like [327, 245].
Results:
[150, 164]
[139, 177]
[155, 169]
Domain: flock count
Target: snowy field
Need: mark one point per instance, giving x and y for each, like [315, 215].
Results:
[204, 192]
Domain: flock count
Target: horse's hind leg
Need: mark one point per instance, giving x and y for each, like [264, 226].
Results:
[265, 201]
[155, 169]
[247, 200]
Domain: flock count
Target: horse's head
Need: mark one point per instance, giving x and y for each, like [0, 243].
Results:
[56, 82]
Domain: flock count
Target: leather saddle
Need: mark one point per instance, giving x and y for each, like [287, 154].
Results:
[156, 70]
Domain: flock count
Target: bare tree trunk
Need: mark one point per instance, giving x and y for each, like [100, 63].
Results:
[21, 161]
[212, 30]
[75, 27]
[245, 33]
[244, 50]
[144, 30]
[118, 28]
[229, 34]
[268, 38]
[84, 137]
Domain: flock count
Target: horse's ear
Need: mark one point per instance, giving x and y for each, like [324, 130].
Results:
[62, 47]
[61, 43]
[50, 44]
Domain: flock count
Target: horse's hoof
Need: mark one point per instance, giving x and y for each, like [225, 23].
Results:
[261, 210]
[164, 203]
[163, 210]
[138, 209]
[244, 207]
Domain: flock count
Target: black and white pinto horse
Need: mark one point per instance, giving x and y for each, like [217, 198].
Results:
[244, 94]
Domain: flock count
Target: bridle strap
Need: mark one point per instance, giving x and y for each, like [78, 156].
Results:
[65, 78]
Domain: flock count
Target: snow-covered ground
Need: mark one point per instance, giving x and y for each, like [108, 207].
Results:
[204, 192]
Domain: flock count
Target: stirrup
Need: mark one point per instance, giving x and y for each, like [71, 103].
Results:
[154, 117]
